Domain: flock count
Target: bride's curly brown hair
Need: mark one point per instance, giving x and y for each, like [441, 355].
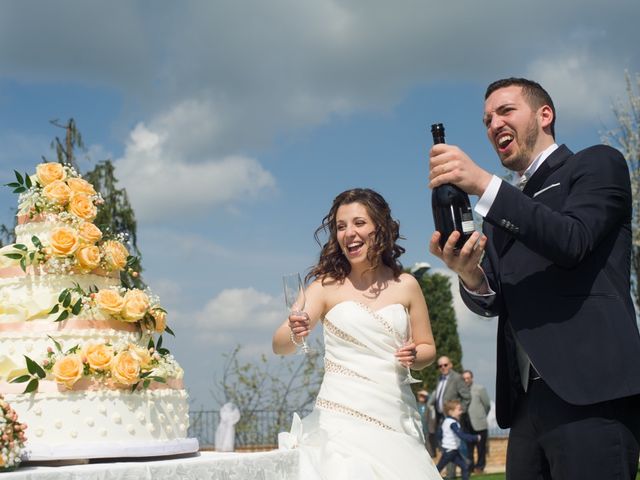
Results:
[384, 250]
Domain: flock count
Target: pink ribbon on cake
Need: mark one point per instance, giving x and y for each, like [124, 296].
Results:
[17, 272]
[87, 384]
[22, 219]
[10, 272]
[71, 323]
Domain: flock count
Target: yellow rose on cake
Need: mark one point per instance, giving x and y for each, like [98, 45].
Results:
[109, 301]
[98, 355]
[141, 354]
[88, 257]
[136, 305]
[57, 192]
[79, 185]
[89, 233]
[160, 317]
[115, 255]
[68, 370]
[82, 206]
[49, 172]
[64, 241]
[125, 368]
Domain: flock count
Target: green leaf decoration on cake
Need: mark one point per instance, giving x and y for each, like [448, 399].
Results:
[34, 369]
[22, 184]
[36, 373]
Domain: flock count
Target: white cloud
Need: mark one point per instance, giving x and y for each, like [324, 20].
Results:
[582, 86]
[213, 80]
[241, 309]
[162, 182]
[205, 83]
[81, 42]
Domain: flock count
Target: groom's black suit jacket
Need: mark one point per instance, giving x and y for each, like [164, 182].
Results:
[558, 259]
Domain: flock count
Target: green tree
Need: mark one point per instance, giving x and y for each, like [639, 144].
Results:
[436, 288]
[116, 216]
[626, 137]
[65, 150]
[7, 235]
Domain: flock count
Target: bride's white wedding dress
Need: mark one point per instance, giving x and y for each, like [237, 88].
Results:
[365, 424]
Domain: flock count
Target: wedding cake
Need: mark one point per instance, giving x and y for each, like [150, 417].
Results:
[81, 354]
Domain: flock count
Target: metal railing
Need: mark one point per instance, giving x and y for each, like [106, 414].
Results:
[257, 428]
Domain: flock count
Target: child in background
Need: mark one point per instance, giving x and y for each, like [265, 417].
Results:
[452, 435]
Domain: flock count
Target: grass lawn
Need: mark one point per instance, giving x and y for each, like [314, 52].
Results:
[500, 476]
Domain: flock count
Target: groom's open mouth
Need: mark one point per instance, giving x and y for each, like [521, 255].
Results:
[503, 141]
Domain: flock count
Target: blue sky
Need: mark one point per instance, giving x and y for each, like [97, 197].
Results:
[233, 125]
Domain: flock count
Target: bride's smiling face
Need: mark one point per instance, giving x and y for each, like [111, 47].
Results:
[354, 230]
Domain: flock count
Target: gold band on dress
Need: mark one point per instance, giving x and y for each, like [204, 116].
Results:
[338, 407]
[333, 367]
[341, 333]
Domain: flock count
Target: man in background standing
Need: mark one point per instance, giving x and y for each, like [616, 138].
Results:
[477, 416]
[450, 386]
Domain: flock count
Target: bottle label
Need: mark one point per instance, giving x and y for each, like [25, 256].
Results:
[467, 227]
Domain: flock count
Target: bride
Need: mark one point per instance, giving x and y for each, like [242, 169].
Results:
[365, 424]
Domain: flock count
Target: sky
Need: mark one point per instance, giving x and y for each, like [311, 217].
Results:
[233, 125]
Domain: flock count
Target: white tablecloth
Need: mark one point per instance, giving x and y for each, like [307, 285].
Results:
[273, 465]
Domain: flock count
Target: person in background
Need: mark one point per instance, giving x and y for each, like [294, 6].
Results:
[553, 263]
[450, 386]
[452, 438]
[427, 415]
[477, 418]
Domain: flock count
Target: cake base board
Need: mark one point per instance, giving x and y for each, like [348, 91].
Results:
[83, 453]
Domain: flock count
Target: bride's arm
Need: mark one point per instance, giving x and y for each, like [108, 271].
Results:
[425, 346]
[282, 343]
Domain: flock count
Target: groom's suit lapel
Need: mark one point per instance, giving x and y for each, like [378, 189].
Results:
[504, 240]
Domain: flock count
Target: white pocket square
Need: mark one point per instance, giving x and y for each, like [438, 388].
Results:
[545, 189]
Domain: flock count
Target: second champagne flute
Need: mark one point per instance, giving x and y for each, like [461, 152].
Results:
[402, 339]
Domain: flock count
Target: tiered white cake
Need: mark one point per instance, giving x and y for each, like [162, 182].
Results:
[81, 357]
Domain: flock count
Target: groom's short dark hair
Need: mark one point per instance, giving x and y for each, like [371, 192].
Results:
[533, 92]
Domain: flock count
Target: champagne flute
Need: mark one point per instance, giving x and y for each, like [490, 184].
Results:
[295, 299]
[402, 339]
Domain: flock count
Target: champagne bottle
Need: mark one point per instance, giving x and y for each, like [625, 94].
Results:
[451, 206]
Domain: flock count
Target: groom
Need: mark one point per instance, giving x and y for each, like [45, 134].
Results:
[555, 270]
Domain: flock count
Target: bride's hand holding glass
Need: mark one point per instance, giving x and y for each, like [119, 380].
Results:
[294, 297]
[407, 354]
[299, 324]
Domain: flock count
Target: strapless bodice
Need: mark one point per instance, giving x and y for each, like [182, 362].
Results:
[362, 374]
[365, 424]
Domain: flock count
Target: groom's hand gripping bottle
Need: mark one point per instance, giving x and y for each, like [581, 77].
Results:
[450, 205]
